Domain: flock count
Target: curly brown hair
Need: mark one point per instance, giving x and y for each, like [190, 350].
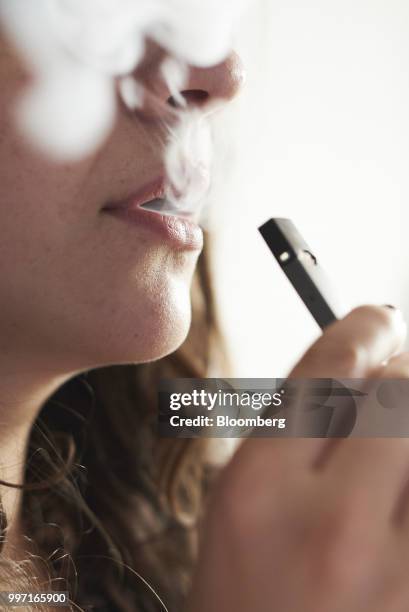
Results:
[116, 520]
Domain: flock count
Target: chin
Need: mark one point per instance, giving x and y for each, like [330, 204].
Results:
[163, 338]
[154, 328]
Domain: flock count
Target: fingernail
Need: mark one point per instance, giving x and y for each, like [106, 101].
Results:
[398, 317]
[397, 313]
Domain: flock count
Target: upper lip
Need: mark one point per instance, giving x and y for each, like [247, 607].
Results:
[153, 190]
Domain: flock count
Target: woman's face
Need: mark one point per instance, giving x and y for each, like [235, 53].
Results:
[79, 286]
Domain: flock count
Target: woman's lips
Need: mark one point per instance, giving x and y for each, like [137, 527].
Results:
[179, 231]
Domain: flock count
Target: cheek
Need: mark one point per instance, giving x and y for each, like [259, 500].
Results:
[82, 288]
[73, 286]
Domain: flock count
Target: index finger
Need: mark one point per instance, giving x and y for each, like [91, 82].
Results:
[355, 346]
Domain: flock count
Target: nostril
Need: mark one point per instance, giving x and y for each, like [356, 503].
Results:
[193, 97]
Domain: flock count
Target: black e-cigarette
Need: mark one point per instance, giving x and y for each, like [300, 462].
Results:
[301, 267]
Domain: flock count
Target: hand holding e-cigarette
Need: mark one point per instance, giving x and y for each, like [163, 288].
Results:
[314, 525]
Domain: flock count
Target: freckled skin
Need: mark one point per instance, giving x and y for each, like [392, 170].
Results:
[75, 283]
[78, 288]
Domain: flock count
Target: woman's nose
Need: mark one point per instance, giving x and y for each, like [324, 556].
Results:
[202, 87]
[221, 82]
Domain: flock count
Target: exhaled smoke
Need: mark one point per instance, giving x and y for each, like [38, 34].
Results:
[77, 49]
[189, 148]
[188, 161]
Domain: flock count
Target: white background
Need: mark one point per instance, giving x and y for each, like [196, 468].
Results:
[321, 135]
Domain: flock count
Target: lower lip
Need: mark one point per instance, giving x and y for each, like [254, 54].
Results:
[179, 232]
